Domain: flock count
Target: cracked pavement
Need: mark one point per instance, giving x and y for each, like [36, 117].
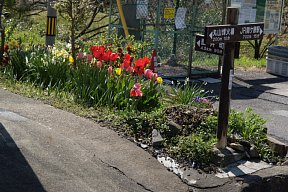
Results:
[47, 149]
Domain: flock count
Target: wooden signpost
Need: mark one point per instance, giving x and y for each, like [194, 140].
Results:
[229, 34]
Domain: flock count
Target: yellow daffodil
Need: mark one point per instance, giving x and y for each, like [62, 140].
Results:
[118, 71]
[159, 80]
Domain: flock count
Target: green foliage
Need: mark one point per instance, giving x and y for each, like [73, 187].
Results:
[246, 63]
[189, 94]
[194, 148]
[208, 127]
[141, 124]
[96, 87]
[249, 126]
[39, 67]
[18, 64]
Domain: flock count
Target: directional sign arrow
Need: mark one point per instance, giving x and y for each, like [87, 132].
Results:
[232, 33]
[199, 43]
[212, 48]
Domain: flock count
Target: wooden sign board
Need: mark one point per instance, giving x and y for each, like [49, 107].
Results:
[213, 48]
[232, 33]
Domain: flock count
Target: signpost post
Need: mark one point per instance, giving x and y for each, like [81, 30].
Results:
[228, 34]
[226, 81]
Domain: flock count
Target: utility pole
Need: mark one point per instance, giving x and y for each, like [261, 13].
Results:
[51, 24]
[226, 85]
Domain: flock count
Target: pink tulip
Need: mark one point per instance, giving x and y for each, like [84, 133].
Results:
[80, 55]
[110, 69]
[89, 58]
[99, 64]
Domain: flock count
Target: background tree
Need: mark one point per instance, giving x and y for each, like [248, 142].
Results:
[82, 16]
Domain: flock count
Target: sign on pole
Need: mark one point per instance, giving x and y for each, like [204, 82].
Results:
[232, 33]
[213, 48]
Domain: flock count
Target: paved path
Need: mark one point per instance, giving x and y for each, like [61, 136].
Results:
[266, 94]
[47, 149]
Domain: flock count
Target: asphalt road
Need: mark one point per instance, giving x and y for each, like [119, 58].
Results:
[266, 94]
[47, 149]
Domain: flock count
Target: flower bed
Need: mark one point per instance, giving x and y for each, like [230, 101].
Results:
[108, 76]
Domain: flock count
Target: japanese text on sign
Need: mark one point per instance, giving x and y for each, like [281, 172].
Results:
[230, 33]
[213, 48]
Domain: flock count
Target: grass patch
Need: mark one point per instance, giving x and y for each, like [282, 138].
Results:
[249, 63]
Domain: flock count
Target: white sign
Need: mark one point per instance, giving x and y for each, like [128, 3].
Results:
[208, 1]
[247, 10]
[272, 18]
[180, 18]
[142, 9]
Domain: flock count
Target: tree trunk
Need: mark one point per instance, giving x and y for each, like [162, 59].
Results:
[257, 49]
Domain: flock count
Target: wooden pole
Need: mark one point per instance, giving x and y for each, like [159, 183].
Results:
[226, 82]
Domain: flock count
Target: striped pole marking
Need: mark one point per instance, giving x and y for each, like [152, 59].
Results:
[51, 26]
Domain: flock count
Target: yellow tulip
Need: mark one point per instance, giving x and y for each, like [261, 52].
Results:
[71, 60]
[118, 71]
[159, 80]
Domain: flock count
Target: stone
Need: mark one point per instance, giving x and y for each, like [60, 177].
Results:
[253, 153]
[172, 61]
[143, 146]
[237, 146]
[174, 129]
[157, 139]
[246, 144]
[277, 146]
[224, 157]
[285, 163]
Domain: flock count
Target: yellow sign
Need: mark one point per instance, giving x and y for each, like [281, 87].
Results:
[169, 13]
[51, 26]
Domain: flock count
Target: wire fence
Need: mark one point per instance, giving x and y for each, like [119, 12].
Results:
[170, 27]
